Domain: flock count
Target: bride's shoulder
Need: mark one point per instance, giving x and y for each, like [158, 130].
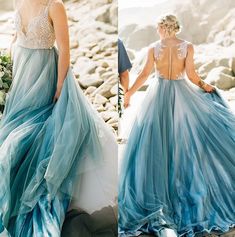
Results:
[56, 7]
[56, 3]
[188, 43]
[154, 44]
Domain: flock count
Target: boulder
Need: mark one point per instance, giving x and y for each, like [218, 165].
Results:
[222, 77]
[90, 90]
[102, 14]
[107, 115]
[90, 80]
[233, 66]
[114, 89]
[114, 100]
[105, 88]
[113, 13]
[99, 99]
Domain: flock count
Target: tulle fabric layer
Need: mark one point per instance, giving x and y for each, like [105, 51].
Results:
[178, 165]
[51, 151]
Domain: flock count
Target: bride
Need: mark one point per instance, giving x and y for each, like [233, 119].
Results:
[53, 144]
[178, 167]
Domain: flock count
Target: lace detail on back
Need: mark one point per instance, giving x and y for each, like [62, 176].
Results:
[167, 58]
[182, 50]
[39, 33]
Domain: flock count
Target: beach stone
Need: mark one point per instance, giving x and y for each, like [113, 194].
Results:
[90, 80]
[105, 88]
[106, 115]
[90, 90]
[221, 77]
[113, 100]
[114, 89]
[99, 99]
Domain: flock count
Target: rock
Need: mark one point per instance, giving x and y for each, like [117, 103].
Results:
[105, 88]
[106, 28]
[233, 66]
[107, 115]
[91, 69]
[100, 70]
[110, 107]
[114, 89]
[99, 3]
[6, 5]
[105, 76]
[114, 100]
[84, 66]
[81, 64]
[223, 30]
[95, 50]
[102, 14]
[221, 77]
[99, 99]
[145, 35]
[100, 108]
[109, 42]
[104, 65]
[113, 124]
[90, 80]
[90, 90]
[113, 13]
[223, 62]
[206, 68]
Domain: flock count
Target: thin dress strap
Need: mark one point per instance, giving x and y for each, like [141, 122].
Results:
[157, 50]
[49, 2]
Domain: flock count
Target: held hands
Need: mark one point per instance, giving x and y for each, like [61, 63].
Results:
[127, 97]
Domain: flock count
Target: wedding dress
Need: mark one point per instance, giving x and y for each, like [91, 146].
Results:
[53, 156]
[178, 167]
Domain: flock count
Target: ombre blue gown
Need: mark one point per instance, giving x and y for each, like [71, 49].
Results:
[178, 167]
[50, 153]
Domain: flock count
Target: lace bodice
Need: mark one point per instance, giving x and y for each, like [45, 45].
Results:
[39, 33]
[170, 60]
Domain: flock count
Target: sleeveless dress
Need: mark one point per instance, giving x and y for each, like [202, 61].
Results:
[178, 167]
[53, 156]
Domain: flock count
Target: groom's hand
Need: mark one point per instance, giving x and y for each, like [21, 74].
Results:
[127, 98]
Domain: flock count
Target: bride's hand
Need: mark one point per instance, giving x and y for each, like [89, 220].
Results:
[127, 98]
[208, 88]
[57, 94]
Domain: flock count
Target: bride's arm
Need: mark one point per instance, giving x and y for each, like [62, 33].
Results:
[59, 18]
[142, 77]
[11, 44]
[191, 72]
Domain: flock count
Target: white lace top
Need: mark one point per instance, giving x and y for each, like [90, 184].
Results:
[39, 34]
[167, 56]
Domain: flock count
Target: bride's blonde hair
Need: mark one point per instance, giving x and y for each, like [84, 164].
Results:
[170, 23]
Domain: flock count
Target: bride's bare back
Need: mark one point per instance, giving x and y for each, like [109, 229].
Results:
[170, 59]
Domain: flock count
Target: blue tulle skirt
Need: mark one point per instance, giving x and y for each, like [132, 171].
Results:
[50, 153]
[178, 169]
